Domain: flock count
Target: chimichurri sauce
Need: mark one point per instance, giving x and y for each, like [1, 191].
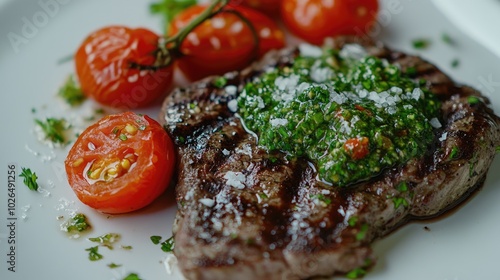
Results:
[350, 114]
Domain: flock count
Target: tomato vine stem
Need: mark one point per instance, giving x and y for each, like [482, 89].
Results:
[169, 48]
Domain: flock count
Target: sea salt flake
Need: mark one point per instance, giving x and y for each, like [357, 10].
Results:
[207, 202]
[435, 123]
[278, 122]
[232, 105]
[308, 50]
[235, 179]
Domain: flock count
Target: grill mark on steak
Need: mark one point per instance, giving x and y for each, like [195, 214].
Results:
[289, 233]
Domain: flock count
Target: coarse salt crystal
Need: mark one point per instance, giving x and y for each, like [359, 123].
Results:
[435, 123]
[232, 105]
[278, 122]
[443, 136]
[235, 179]
[207, 202]
[308, 50]
[231, 89]
[353, 51]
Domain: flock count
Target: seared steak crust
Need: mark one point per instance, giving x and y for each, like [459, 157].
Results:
[246, 214]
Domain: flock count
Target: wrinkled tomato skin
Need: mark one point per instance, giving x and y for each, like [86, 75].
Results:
[224, 43]
[103, 67]
[316, 20]
[147, 177]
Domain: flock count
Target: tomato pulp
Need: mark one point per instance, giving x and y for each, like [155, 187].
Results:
[121, 163]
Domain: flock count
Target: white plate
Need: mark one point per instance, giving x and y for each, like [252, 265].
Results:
[478, 19]
[461, 246]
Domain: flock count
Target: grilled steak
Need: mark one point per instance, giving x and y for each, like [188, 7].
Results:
[227, 229]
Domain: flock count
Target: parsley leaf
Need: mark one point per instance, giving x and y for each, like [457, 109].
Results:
[77, 223]
[93, 254]
[421, 43]
[132, 276]
[398, 201]
[114, 265]
[71, 93]
[447, 39]
[168, 245]
[356, 273]
[54, 129]
[106, 240]
[29, 178]
[155, 239]
[454, 152]
[168, 9]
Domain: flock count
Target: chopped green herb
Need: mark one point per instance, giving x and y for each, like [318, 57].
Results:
[263, 196]
[71, 93]
[455, 63]
[93, 254]
[115, 130]
[156, 239]
[126, 247]
[473, 100]
[132, 276]
[356, 273]
[402, 186]
[305, 125]
[54, 129]
[398, 201]
[123, 137]
[106, 240]
[498, 149]
[142, 127]
[114, 265]
[322, 198]
[353, 220]
[362, 232]
[447, 39]
[29, 178]
[421, 43]
[33, 110]
[168, 245]
[411, 71]
[454, 152]
[77, 223]
[220, 82]
[168, 9]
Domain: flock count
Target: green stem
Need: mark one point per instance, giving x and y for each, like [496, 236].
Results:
[252, 29]
[169, 49]
[212, 10]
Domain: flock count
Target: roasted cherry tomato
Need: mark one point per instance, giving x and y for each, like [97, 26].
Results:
[118, 67]
[357, 148]
[315, 20]
[270, 7]
[224, 42]
[121, 163]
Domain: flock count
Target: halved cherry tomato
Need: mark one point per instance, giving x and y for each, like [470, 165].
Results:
[357, 148]
[224, 42]
[118, 67]
[314, 20]
[121, 163]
